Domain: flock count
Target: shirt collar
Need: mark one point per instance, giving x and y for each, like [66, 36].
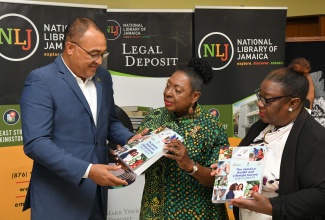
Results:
[74, 75]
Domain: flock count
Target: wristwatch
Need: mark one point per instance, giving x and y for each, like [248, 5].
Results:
[195, 168]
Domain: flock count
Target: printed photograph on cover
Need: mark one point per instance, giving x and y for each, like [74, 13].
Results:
[120, 149]
[221, 181]
[165, 134]
[133, 158]
[223, 167]
[239, 173]
[225, 153]
[219, 194]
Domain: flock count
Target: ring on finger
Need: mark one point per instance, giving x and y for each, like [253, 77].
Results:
[177, 153]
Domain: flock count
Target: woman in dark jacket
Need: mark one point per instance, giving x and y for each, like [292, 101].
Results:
[294, 175]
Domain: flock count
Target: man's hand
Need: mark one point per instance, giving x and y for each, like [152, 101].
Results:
[138, 136]
[101, 175]
[259, 204]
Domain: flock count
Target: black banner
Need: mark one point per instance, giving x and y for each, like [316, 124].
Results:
[150, 44]
[146, 47]
[242, 44]
[31, 36]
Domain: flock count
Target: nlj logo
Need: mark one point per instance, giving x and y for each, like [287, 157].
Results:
[19, 37]
[217, 49]
[113, 30]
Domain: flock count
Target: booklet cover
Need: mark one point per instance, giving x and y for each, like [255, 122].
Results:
[240, 172]
[142, 153]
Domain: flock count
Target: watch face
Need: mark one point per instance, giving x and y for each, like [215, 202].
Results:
[194, 170]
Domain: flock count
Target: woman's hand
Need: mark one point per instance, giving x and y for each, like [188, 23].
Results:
[259, 204]
[178, 152]
[218, 171]
[215, 170]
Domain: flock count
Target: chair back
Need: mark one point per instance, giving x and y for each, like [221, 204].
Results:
[124, 118]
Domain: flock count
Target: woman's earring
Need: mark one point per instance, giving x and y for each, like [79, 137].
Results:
[190, 110]
[290, 109]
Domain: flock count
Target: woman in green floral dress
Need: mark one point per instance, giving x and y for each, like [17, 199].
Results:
[179, 185]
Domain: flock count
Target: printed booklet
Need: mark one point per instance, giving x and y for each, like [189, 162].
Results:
[142, 153]
[239, 173]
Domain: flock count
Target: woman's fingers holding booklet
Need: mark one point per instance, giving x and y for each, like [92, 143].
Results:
[214, 169]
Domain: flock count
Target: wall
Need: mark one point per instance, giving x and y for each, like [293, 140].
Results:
[294, 8]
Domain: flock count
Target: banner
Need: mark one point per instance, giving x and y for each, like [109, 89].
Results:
[242, 44]
[146, 48]
[31, 35]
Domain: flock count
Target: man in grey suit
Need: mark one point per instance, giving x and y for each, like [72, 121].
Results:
[68, 113]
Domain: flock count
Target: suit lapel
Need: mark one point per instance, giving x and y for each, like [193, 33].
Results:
[72, 82]
[98, 85]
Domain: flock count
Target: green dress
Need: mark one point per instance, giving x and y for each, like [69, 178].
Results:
[169, 192]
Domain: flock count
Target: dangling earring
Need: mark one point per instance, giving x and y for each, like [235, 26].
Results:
[190, 110]
[290, 109]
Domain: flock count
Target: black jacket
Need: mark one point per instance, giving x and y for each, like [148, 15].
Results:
[302, 170]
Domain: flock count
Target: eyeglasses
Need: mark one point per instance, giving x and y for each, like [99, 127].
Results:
[93, 56]
[266, 101]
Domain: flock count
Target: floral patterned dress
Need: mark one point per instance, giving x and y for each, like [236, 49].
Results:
[169, 192]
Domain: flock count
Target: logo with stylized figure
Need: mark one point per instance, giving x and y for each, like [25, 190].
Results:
[217, 49]
[113, 30]
[215, 112]
[19, 37]
[11, 117]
